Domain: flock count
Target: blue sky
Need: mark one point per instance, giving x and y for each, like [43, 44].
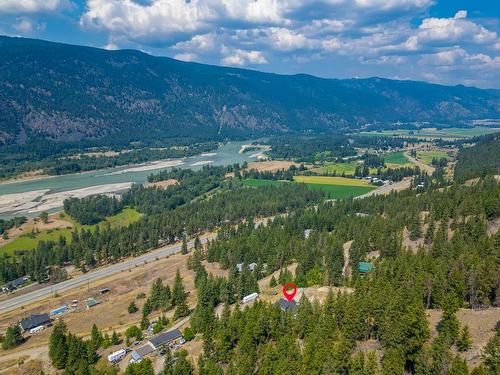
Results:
[449, 42]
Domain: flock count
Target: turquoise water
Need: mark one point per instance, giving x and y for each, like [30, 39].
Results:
[225, 155]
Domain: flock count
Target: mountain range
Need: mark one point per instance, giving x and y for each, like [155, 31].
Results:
[68, 93]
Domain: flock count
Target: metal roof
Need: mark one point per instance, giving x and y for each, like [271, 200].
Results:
[364, 267]
[165, 338]
[142, 352]
[34, 321]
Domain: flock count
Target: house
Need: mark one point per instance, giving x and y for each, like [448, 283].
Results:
[14, 284]
[60, 310]
[364, 267]
[252, 266]
[285, 305]
[143, 351]
[307, 233]
[34, 321]
[239, 267]
[166, 338]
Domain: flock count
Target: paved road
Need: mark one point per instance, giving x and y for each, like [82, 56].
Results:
[92, 276]
[22, 300]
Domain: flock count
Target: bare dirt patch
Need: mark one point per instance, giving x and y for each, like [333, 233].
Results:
[163, 184]
[481, 324]
[271, 165]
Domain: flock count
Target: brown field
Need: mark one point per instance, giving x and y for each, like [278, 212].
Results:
[271, 165]
[163, 184]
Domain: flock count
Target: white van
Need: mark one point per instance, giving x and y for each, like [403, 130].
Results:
[36, 329]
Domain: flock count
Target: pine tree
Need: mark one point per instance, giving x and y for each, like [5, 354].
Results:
[184, 248]
[58, 349]
[178, 294]
[96, 337]
[132, 308]
[12, 337]
[273, 282]
[464, 341]
[115, 340]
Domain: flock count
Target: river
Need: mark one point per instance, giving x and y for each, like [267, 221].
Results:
[31, 197]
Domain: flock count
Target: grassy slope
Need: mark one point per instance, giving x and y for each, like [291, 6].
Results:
[396, 158]
[331, 181]
[427, 156]
[26, 242]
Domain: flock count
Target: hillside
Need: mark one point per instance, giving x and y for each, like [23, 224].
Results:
[479, 160]
[71, 93]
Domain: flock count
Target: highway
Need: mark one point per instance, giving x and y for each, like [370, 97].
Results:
[24, 299]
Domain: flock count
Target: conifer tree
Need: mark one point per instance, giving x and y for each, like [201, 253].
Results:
[58, 349]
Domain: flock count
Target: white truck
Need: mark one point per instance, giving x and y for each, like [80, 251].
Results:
[117, 356]
[250, 297]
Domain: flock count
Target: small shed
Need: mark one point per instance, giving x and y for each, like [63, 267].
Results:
[364, 267]
[91, 302]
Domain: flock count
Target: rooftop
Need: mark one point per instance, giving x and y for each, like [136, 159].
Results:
[142, 351]
[34, 320]
[165, 338]
[287, 306]
[364, 267]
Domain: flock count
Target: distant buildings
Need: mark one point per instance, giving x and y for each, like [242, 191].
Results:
[251, 266]
[34, 321]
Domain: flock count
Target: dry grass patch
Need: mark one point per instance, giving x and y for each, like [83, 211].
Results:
[271, 165]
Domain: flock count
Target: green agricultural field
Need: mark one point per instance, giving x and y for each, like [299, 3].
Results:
[340, 191]
[396, 159]
[29, 242]
[333, 187]
[429, 133]
[336, 187]
[324, 180]
[258, 182]
[427, 156]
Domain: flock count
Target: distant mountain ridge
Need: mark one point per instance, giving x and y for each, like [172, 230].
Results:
[70, 93]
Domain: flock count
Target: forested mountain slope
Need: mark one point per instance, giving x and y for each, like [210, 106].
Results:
[479, 160]
[71, 93]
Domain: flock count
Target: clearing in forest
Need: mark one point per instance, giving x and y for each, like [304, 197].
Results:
[396, 160]
[427, 156]
[29, 241]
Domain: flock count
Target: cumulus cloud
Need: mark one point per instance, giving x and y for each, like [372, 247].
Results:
[449, 30]
[32, 6]
[239, 57]
[186, 56]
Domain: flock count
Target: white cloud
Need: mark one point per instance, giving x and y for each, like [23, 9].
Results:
[205, 42]
[239, 57]
[32, 6]
[26, 26]
[186, 56]
[450, 30]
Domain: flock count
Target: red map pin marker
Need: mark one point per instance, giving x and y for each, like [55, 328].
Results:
[289, 294]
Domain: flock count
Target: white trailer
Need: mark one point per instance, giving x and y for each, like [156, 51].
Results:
[117, 356]
[36, 329]
[250, 297]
